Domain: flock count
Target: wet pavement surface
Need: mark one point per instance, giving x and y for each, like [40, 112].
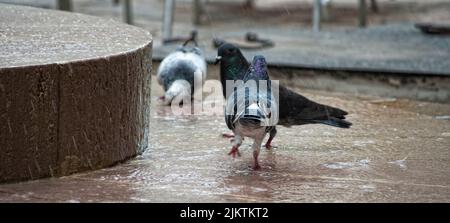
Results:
[396, 151]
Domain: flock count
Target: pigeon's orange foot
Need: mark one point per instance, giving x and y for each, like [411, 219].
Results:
[268, 144]
[227, 135]
[234, 152]
[161, 99]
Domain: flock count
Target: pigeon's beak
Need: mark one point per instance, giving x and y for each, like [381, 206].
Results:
[218, 59]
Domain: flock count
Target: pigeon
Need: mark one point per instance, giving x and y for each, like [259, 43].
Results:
[294, 109]
[233, 65]
[178, 72]
[251, 110]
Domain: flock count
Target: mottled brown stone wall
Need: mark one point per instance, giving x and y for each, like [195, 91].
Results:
[58, 119]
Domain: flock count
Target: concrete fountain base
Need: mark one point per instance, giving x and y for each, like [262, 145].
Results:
[74, 92]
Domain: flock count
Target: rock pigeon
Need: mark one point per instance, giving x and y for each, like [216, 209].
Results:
[251, 110]
[294, 109]
[179, 70]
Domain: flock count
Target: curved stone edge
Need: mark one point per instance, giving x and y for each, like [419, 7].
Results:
[60, 119]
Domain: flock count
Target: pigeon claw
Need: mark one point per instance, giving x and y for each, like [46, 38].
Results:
[256, 166]
[234, 152]
[269, 146]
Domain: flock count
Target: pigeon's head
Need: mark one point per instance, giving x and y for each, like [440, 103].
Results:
[228, 52]
[259, 61]
[259, 65]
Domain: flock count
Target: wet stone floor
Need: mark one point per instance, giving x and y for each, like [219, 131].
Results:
[396, 151]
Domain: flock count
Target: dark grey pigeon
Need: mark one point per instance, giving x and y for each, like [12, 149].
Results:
[251, 110]
[179, 70]
[294, 109]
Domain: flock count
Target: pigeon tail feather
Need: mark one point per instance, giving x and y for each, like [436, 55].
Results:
[336, 122]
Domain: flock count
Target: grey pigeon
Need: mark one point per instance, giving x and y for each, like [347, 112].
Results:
[179, 70]
[294, 109]
[251, 110]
